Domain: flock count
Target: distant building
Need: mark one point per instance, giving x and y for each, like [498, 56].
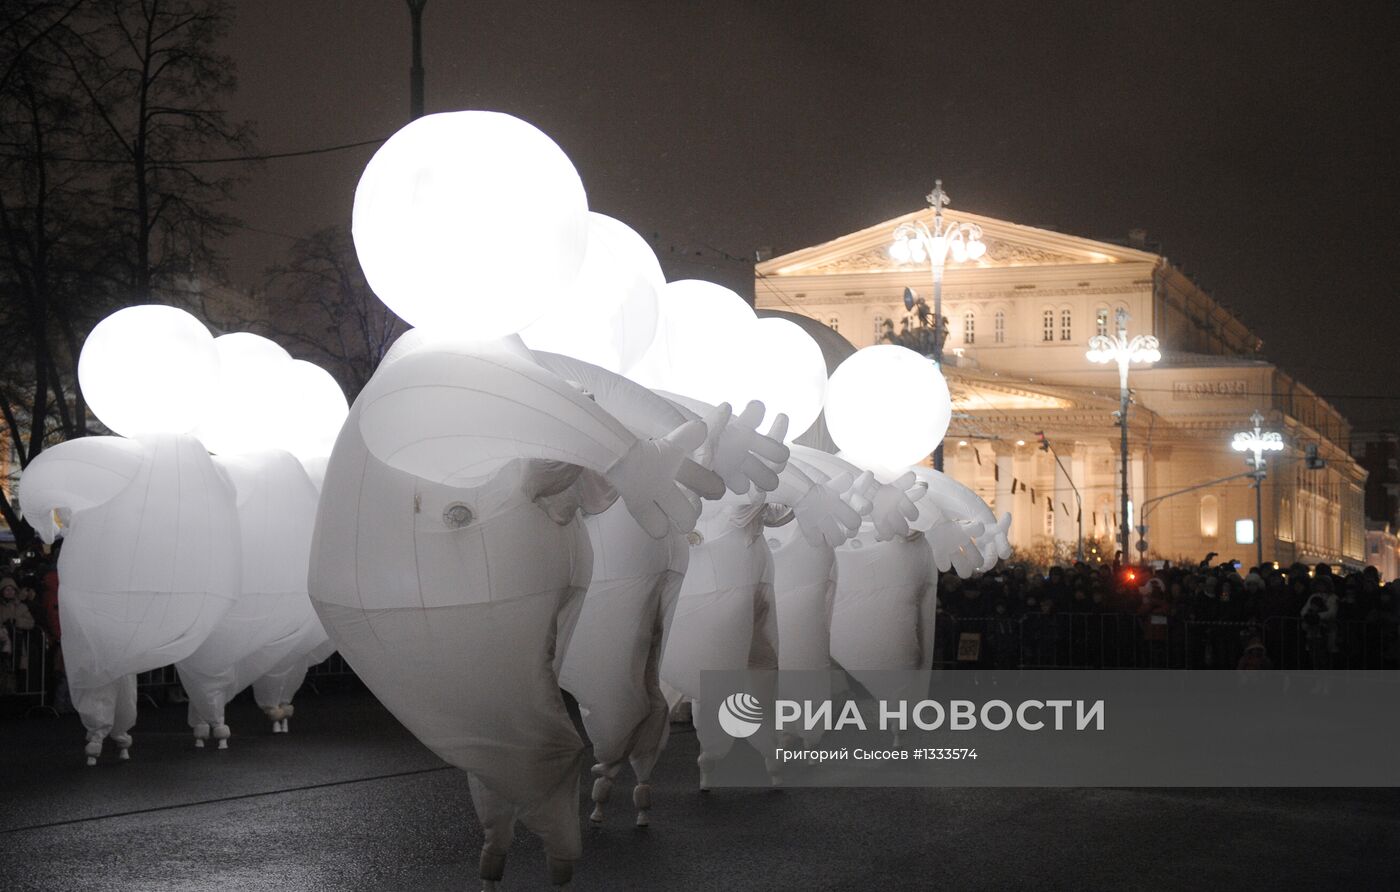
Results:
[1019, 320]
[1378, 452]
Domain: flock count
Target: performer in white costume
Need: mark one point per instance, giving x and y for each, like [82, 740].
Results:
[150, 560]
[612, 662]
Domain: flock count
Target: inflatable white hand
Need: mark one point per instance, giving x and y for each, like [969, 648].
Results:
[892, 506]
[646, 478]
[822, 515]
[995, 542]
[739, 453]
[955, 546]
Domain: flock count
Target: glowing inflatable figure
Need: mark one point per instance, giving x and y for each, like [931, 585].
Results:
[150, 561]
[448, 561]
[726, 613]
[267, 404]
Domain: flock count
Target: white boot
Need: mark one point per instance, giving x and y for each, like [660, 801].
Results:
[222, 734]
[602, 787]
[93, 750]
[123, 742]
[641, 800]
[201, 734]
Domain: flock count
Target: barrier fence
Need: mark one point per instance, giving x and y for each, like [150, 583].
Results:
[1155, 641]
[30, 667]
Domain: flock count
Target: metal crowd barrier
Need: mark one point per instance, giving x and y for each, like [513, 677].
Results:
[1155, 641]
[26, 670]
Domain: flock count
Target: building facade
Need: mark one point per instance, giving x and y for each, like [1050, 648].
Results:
[1019, 320]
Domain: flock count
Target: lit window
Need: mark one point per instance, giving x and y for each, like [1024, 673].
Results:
[1049, 516]
[1047, 330]
[999, 327]
[969, 328]
[1210, 517]
[834, 323]
[1101, 321]
[1066, 325]
[879, 328]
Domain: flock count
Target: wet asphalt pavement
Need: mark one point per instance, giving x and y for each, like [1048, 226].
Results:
[349, 800]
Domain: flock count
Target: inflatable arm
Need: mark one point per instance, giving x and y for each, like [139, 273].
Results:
[75, 476]
[954, 502]
[454, 413]
[735, 449]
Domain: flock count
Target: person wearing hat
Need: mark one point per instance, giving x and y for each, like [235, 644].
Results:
[12, 609]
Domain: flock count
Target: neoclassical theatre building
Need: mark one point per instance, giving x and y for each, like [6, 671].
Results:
[1020, 318]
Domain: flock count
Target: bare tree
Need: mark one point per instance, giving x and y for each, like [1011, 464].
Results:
[327, 307]
[109, 111]
[152, 77]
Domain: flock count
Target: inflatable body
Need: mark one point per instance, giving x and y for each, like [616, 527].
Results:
[448, 564]
[273, 615]
[149, 563]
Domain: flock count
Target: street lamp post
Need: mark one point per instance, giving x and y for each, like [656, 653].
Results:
[914, 241]
[1258, 441]
[1118, 348]
[415, 72]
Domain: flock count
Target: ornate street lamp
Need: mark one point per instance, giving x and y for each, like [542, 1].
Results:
[1258, 441]
[1120, 349]
[914, 242]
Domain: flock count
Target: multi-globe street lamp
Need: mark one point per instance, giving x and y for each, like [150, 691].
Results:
[915, 242]
[1119, 348]
[1258, 441]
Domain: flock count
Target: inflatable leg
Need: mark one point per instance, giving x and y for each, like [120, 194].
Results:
[498, 828]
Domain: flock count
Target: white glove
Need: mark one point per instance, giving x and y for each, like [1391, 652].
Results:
[738, 453]
[646, 479]
[823, 517]
[954, 545]
[995, 542]
[893, 506]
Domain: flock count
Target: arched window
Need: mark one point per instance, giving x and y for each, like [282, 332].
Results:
[1047, 326]
[969, 328]
[834, 323]
[999, 327]
[1066, 326]
[879, 328]
[1210, 517]
[1101, 321]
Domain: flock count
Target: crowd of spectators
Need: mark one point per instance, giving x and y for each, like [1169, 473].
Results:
[1211, 615]
[29, 624]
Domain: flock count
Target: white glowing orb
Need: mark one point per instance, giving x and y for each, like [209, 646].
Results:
[887, 407]
[308, 417]
[608, 316]
[788, 376]
[241, 418]
[703, 344]
[471, 222]
[148, 369]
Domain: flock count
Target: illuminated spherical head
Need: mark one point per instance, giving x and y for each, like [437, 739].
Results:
[148, 369]
[608, 316]
[788, 374]
[473, 223]
[887, 407]
[311, 411]
[240, 417]
[703, 338]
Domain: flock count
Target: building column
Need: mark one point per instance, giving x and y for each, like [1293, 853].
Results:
[1004, 498]
[1063, 494]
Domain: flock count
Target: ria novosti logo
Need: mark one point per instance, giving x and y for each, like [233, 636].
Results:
[740, 715]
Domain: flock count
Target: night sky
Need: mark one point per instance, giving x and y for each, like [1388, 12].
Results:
[1256, 142]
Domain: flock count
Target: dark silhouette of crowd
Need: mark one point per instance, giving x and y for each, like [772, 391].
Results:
[1212, 615]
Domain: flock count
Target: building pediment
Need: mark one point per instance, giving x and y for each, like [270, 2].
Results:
[1008, 245]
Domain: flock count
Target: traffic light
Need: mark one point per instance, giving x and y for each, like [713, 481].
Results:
[1311, 459]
